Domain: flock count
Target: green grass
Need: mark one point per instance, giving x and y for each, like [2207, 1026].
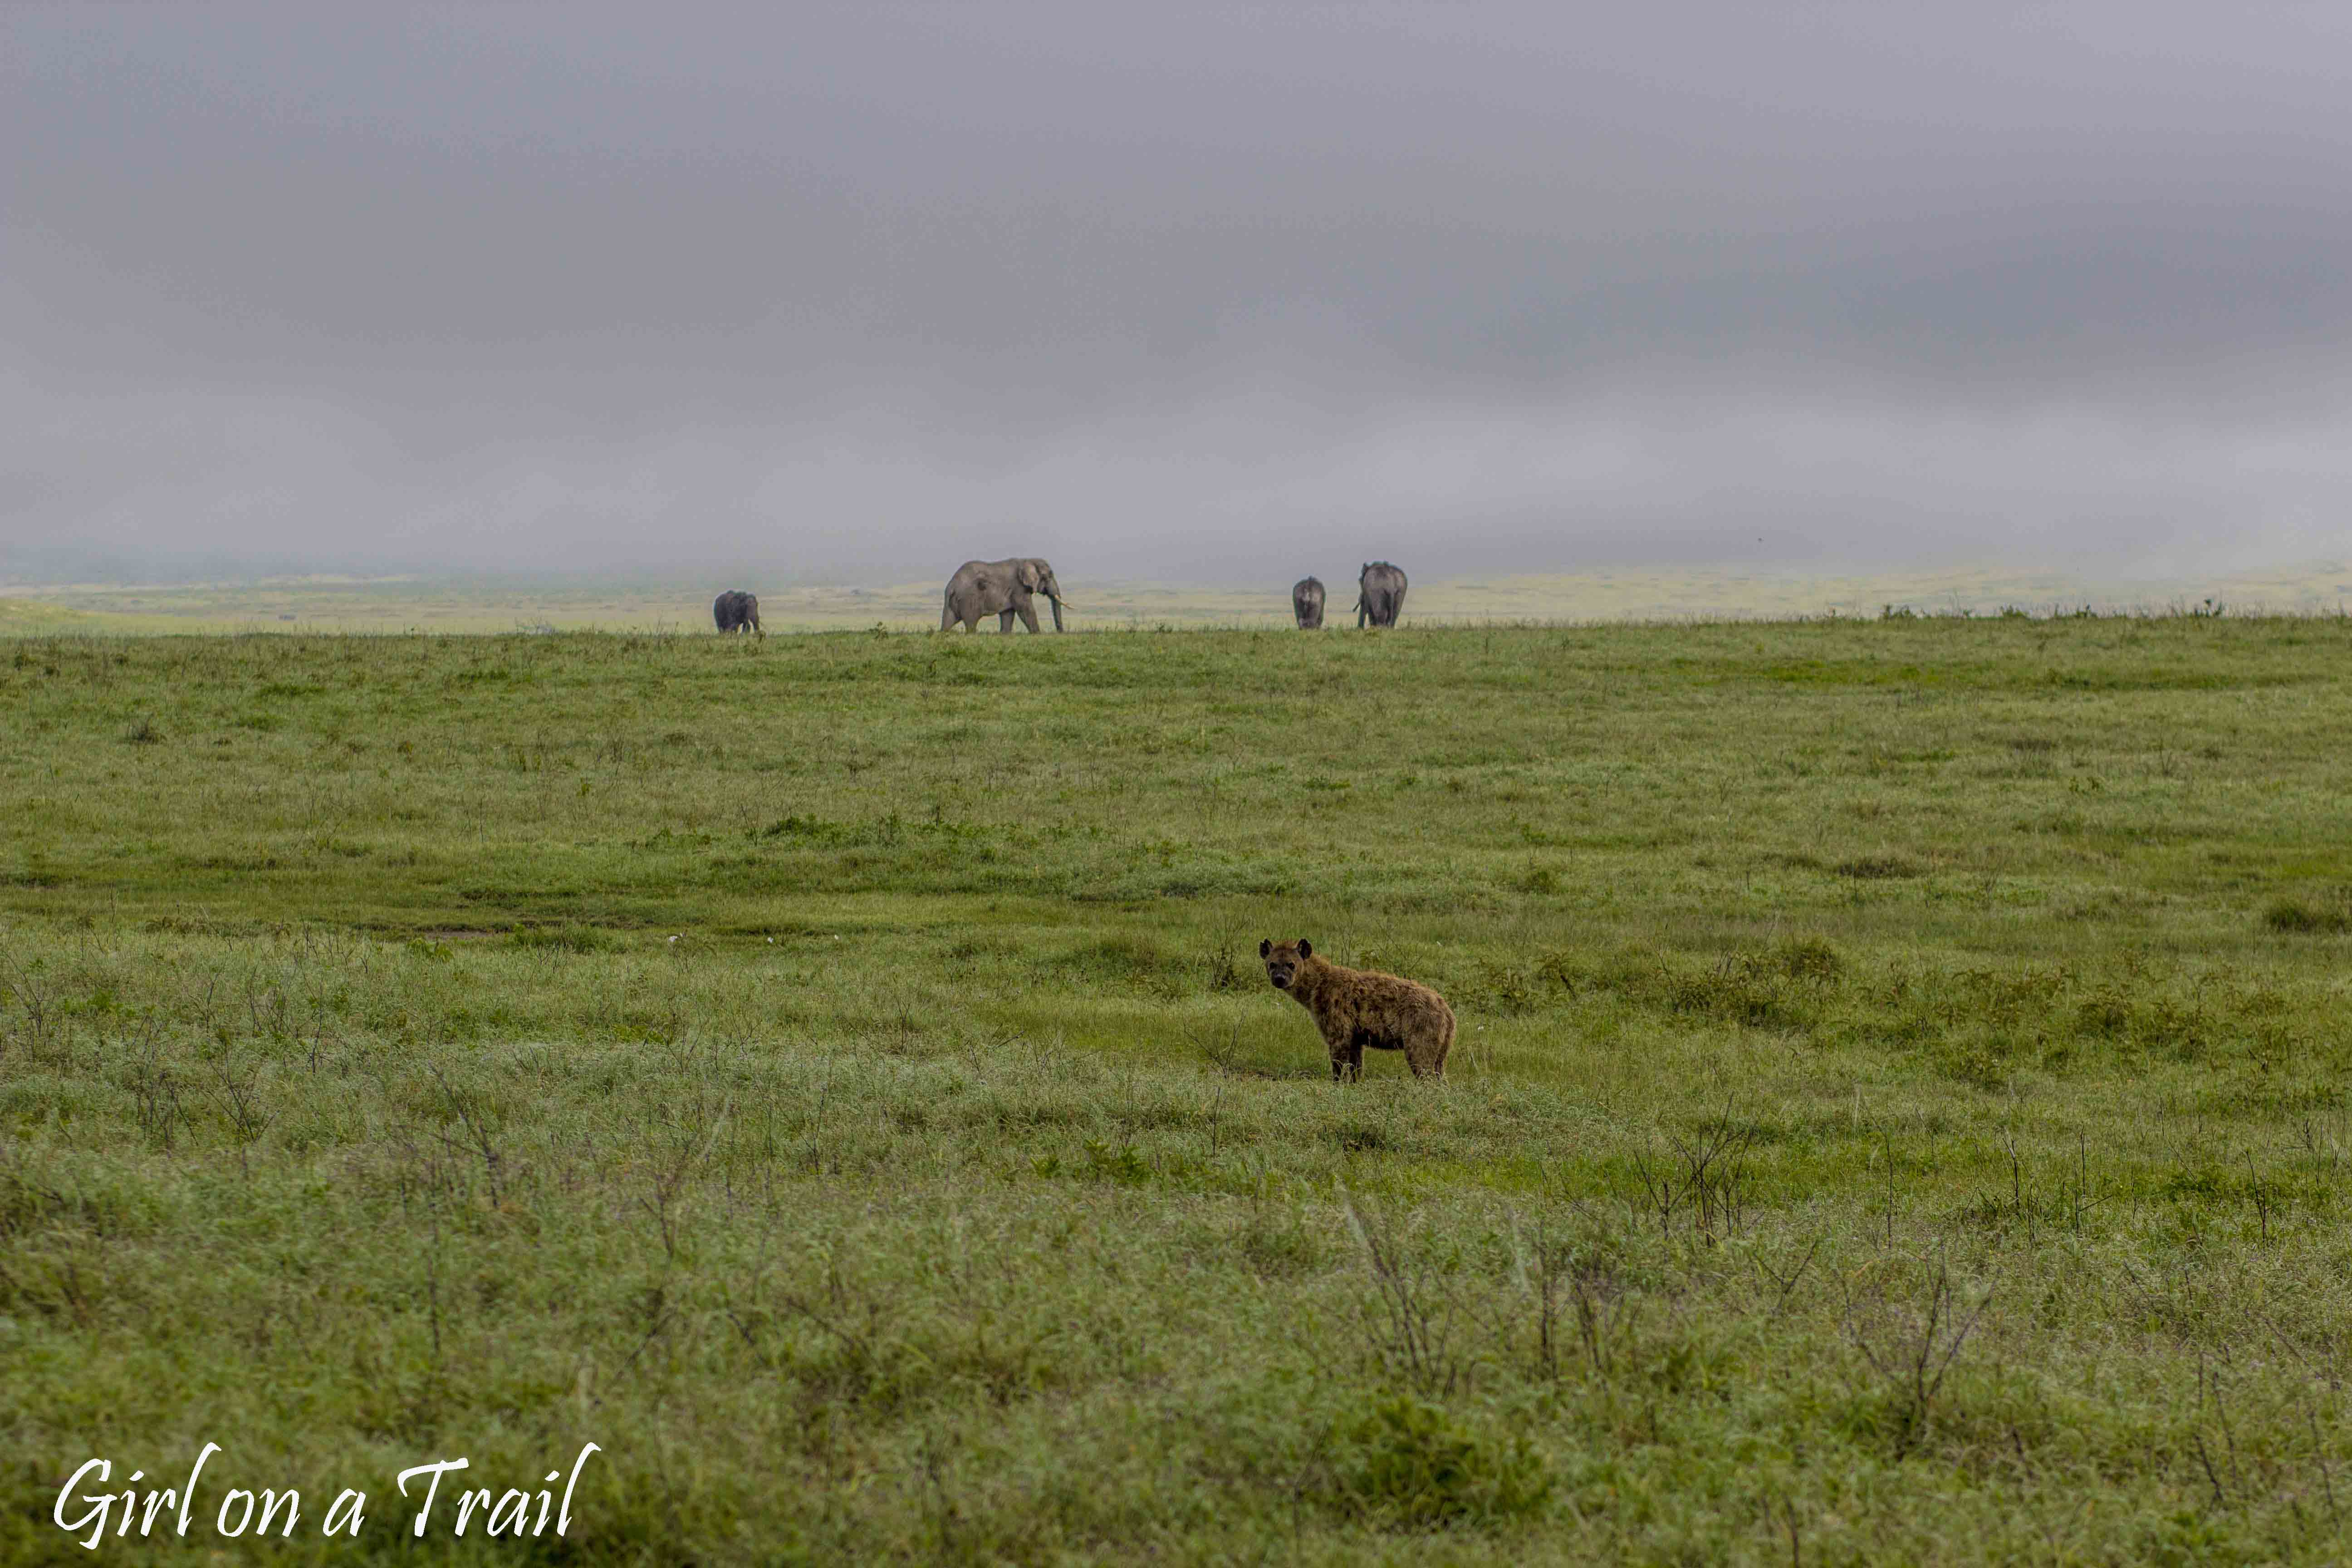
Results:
[1898, 1112]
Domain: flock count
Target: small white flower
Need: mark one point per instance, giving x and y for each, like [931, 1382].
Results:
[673, 939]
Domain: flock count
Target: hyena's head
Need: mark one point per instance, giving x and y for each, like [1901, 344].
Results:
[1283, 960]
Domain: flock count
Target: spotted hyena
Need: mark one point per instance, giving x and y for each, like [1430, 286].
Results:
[1357, 1008]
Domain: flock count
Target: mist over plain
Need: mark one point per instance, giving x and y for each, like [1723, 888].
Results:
[1207, 295]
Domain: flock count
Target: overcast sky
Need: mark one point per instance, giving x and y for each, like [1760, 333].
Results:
[1177, 291]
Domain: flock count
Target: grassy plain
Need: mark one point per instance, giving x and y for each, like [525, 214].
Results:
[1898, 1114]
[497, 603]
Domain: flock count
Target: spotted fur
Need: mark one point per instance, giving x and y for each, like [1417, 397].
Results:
[1361, 1009]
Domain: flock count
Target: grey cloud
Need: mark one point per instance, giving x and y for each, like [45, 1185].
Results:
[842, 288]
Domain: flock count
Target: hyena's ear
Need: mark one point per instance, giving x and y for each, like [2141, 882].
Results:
[1306, 948]
[1264, 947]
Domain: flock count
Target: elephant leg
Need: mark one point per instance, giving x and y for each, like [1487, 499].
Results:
[1029, 617]
[947, 618]
[1004, 623]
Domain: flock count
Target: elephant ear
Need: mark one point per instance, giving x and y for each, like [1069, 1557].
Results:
[1026, 575]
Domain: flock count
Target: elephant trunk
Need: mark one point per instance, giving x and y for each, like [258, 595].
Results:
[1057, 610]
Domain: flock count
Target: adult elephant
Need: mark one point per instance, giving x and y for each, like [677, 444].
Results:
[1001, 588]
[735, 611]
[1379, 595]
[1307, 604]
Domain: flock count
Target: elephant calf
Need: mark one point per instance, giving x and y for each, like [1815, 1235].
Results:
[735, 611]
[1307, 604]
[1356, 1008]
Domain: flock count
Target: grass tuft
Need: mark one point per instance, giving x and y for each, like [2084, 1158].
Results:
[1880, 867]
[569, 938]
[2307, 917]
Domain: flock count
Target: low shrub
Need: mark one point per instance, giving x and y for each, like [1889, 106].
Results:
[1406, 1464]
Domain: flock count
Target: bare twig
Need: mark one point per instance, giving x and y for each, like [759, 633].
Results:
[242, 1098]
[477, 1131]
[1914, 1356]
[1789, 1285]
[1412, 1333]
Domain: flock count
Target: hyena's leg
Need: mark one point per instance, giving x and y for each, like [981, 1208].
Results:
[1427, 1054]
[1335, 1042]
